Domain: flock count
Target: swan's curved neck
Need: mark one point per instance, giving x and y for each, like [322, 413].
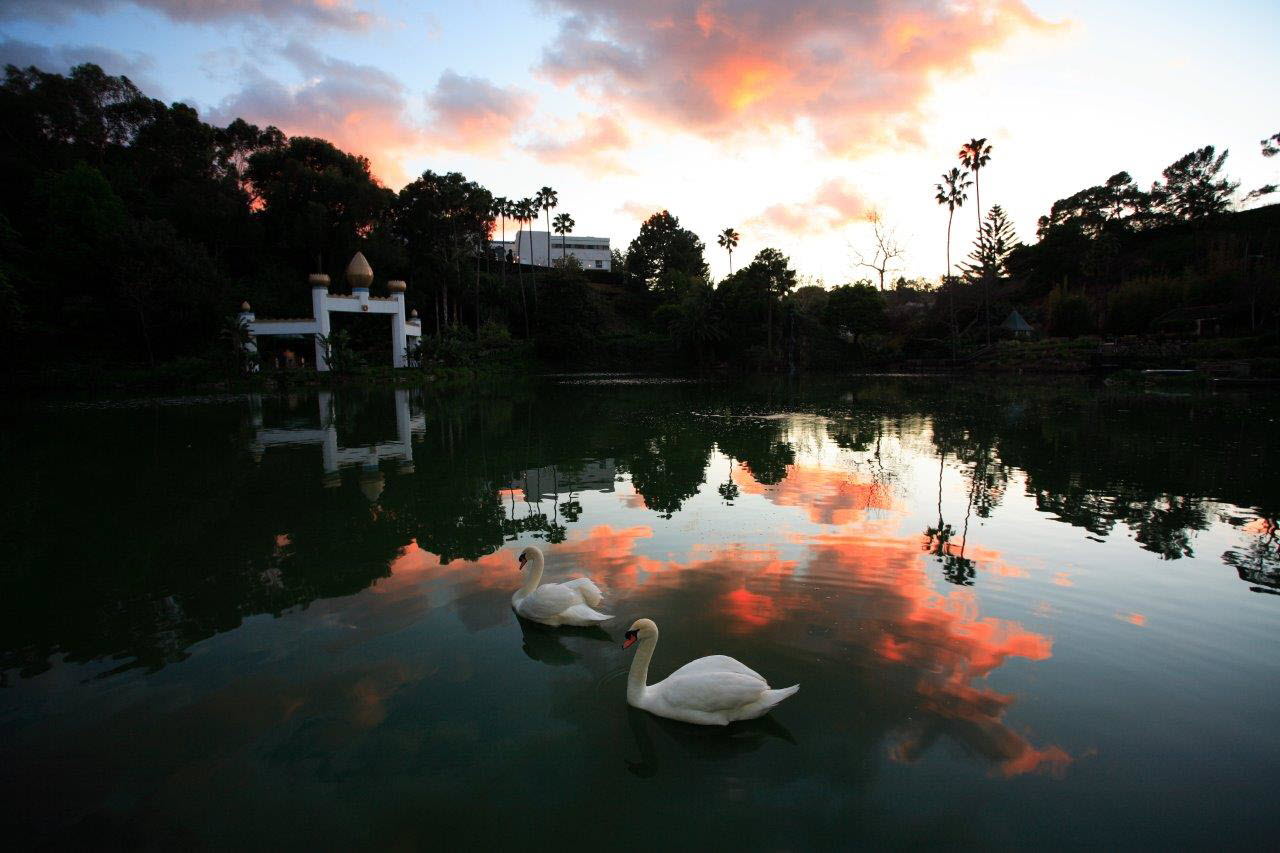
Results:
[638, 678]
[533, 574]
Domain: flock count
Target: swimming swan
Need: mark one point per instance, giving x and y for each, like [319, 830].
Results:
[710, 691]
[568, 603]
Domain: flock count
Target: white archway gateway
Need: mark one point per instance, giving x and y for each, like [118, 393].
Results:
[359, 276]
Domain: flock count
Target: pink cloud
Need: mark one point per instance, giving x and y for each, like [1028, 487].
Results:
[591, 143]
[833, 205]
[472, 113]
[857, 71]
[359, 108]
[639, 209]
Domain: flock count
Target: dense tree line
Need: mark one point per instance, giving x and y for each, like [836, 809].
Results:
[130, 230]
[1113, 258]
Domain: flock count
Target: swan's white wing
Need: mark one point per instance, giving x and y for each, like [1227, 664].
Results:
[547, 601]
[718, 663]
[711, 692]
[587, 589]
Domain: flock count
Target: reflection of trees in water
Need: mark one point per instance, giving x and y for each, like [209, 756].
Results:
[668, 468]
[1258, 561]
[178, 535]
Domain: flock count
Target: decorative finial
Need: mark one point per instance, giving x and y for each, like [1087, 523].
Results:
[244, 307]
[318, 280]
[359, 273]
[414, 313]
[396, 286]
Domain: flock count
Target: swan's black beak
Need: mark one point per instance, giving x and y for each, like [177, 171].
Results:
[522, 560]
[631, 637]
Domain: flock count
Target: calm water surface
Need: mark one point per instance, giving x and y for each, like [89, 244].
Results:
[1019, 615]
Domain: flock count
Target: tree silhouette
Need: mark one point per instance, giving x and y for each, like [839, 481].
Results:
[547, 200]
[728, 240]
[662, 248]
[1271, 145]
[887, 248]
[1192, 189]
[975, 154]
[951, 193]
[563, 224]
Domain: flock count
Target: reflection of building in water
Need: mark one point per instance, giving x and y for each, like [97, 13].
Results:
[334, 456]
[547, 482]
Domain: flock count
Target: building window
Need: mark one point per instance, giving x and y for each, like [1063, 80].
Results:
[599, 265]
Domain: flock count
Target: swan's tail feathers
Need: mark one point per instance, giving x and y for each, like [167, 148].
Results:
[581, 614]
[771, 698]
[587, 589]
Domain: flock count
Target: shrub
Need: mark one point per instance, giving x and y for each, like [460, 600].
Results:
[1068, 314]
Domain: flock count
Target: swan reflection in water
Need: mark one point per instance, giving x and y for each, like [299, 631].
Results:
[546, 644]
[701, 743]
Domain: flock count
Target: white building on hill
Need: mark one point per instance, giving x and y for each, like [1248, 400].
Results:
[530, 247]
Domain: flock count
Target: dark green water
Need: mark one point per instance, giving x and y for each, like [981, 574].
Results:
[1020, 616]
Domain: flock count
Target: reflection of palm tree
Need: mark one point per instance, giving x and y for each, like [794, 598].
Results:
[729, 489]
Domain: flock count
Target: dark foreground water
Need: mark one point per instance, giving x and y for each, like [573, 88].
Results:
[1019, 615]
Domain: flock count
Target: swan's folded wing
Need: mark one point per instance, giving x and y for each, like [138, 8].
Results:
[718, 663]
[711, 692]
[587, 589]
[547, 601]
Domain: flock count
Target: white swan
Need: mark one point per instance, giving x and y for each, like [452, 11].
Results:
[568, 603]
[710, 691]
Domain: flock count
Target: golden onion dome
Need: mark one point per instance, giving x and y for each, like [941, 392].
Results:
[244, 306]
[319, 280]
[396, 286]
[359, 273]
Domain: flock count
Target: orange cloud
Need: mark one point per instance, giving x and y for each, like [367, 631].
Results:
[827, 495]
[856, 72]
[944, 639]
[1133, 618]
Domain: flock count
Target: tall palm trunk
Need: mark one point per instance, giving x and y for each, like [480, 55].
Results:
[548, 236]
[524, 303]
[986, 279]
[504, 253]
[946, 281]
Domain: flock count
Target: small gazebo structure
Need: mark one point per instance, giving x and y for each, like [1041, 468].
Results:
[318, 325]
[1019, 327]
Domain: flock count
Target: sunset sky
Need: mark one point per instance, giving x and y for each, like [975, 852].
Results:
[787, 120]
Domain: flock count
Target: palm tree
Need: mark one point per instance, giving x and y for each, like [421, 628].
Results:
[500, 208]
[528, 214]
[516, 210]
[564, 224]
[728, 239]
[951, 192]
[975, 154]
[547, 200]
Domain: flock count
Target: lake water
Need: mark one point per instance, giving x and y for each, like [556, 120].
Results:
[1020, 614]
